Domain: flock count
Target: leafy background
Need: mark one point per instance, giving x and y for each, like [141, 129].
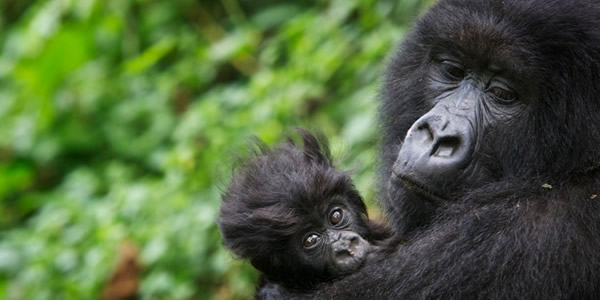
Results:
[120, 119]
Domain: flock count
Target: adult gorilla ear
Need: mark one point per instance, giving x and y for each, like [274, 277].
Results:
[315, 147]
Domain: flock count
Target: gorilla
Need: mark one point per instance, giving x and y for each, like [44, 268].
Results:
[490, 163]
[296, 218]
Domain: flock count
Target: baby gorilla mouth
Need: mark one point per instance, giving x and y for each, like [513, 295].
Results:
[349, 252]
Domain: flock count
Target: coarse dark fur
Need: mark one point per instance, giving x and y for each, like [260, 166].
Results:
[521, 220]
[280, 195]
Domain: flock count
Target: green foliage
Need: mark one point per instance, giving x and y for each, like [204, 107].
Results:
[120, 120]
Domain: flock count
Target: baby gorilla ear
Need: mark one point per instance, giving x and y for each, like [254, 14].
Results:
[315, 147]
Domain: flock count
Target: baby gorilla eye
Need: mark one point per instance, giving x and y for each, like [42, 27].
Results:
[336, 216]
[311, 240]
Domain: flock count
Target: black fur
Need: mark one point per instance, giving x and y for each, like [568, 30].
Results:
[522, 220]
[279, 195]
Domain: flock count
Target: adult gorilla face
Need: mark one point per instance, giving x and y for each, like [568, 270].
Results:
[465, 102]
[485, 92]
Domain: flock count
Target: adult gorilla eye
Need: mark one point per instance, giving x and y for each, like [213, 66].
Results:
[502, 95]
[311, 240]
[336, 216]
[453, 70]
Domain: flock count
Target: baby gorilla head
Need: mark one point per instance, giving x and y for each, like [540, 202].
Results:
[294, 216]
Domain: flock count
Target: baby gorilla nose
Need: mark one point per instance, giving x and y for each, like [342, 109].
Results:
[349, 252]
[346, 244]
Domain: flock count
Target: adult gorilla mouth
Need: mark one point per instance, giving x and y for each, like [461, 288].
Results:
[411, 185]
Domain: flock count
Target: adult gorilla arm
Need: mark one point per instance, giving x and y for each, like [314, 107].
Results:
[490, 165]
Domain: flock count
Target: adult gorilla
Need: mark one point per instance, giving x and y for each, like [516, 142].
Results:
[491, 160]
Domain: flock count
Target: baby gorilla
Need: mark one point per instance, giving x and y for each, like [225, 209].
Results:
[296, 218]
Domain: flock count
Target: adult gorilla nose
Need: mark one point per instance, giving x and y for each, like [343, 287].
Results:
[436, 148]
[436, 141]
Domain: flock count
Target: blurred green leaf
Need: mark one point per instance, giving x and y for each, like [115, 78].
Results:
[150, 56]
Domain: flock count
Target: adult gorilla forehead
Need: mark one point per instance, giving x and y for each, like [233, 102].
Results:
[521, 36]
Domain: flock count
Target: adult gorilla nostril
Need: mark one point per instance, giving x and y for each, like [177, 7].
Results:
[430, 136]
[446, 146]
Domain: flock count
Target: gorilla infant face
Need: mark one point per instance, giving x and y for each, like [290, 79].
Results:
[331, 240]
[295, 217]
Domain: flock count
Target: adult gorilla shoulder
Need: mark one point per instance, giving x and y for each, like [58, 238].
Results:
[490, 159]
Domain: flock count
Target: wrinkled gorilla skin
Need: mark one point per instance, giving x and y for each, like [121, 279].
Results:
[490, 155]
